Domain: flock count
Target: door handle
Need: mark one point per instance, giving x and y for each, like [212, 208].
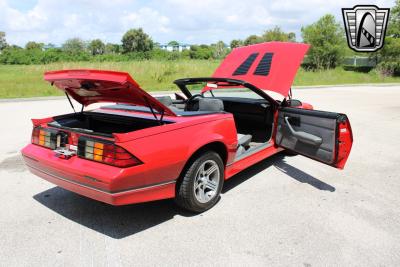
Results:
[303, 136]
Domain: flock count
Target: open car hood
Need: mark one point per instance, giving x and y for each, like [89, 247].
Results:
[93, 86]
[269, 66]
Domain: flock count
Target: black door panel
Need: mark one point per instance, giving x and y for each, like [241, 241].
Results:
[311, 133]
[252, 116]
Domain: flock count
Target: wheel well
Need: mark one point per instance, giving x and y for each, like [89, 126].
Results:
[217, 147]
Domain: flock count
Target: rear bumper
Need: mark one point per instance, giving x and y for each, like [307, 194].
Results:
[93, 180]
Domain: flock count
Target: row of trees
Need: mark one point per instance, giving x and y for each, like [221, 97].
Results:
[326, 36]
[275, 34]
[134, 40]
[136, 45]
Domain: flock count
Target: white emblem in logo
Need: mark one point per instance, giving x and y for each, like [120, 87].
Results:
[365, 27]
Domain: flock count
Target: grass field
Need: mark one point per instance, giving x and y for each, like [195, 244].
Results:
[27, 81]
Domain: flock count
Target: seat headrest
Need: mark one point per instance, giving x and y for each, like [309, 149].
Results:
[166, 100]
[210, 104]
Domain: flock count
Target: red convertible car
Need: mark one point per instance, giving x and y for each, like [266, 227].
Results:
[141, 148]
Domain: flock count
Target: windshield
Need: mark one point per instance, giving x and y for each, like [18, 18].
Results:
[233, 91]
[218, 87]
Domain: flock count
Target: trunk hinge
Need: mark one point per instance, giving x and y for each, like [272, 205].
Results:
[70, 102]
[160, 120]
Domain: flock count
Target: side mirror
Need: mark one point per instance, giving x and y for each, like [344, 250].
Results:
[294, 103]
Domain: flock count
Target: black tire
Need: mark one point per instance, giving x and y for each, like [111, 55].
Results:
[185, 192]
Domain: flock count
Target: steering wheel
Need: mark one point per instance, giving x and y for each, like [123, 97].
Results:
[190, 100]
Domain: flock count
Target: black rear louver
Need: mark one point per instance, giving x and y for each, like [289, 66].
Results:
[245, 66]
[264, 66]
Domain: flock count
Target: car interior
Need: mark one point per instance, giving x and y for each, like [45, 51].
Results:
[253, 117]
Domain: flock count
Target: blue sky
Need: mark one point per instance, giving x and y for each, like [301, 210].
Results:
[193, 22]
[23, 6]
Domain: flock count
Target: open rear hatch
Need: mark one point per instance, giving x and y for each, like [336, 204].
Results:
[93, 86]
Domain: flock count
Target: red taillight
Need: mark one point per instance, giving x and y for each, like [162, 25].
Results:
[47, 137]
[105, 152]
[35, 135]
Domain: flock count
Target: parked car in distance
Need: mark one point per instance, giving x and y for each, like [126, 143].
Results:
[144, 148]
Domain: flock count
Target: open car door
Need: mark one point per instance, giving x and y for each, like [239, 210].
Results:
[319, 135]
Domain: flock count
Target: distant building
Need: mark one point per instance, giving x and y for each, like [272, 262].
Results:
[172, 48]
[49, 46]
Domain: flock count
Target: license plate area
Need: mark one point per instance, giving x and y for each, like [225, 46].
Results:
[64, 152]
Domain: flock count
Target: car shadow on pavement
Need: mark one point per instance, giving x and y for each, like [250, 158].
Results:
[302, 176]
[279, 162]
[114, 221]
[122, 221]
[248, 173]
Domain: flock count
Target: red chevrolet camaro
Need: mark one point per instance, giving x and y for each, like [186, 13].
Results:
[141, 148]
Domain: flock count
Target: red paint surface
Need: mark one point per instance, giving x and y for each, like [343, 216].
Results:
[285, 63]
[345, 141]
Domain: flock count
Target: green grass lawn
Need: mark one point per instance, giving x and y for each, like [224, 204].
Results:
[27, 81]
[340, 76]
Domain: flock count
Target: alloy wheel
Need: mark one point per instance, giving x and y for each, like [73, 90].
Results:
[207, 181]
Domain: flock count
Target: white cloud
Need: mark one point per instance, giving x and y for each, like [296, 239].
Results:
[147, 18]
[198, 21]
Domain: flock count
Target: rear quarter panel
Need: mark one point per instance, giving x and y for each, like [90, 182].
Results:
[166, 149]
